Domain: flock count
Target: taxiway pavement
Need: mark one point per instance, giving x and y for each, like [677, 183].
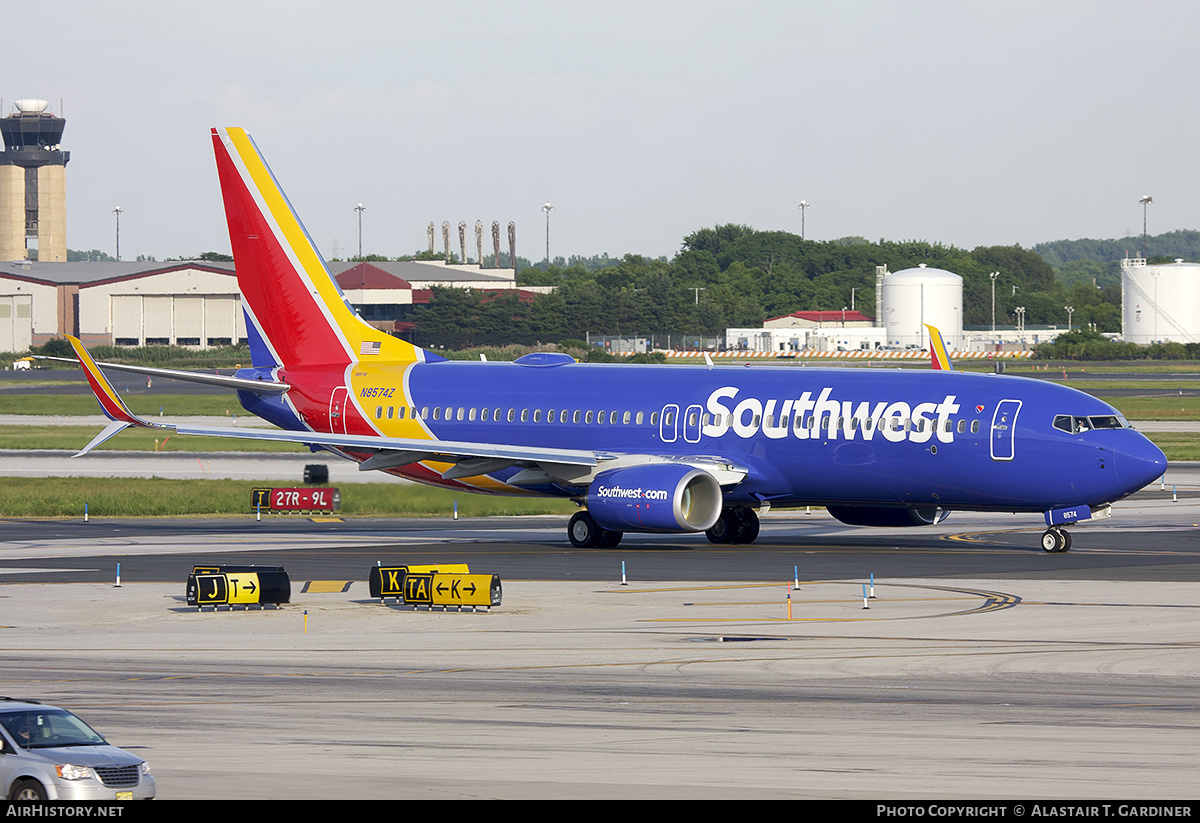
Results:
[988, 670]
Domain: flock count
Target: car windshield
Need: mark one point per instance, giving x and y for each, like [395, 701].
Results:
[48, 728]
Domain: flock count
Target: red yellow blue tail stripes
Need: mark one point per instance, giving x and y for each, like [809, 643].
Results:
[287, 291]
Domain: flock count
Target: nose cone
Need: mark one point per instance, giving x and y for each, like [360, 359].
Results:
[1139, 462]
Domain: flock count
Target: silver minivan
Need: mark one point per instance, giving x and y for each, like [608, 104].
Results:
[47, 753]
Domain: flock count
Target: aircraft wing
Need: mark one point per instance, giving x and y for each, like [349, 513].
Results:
[467, 459]
[399, 447]
[392, 451]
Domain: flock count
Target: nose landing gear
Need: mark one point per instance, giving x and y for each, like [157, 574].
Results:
[1056, 541]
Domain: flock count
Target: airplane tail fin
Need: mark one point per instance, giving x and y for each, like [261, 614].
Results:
[937, 350]
[295, 312]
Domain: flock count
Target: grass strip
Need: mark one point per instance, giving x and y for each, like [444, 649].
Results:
[144, 405]
[1147, 385]
[133, 439]
[1177, 445]
[1156, 408]
[154, 497]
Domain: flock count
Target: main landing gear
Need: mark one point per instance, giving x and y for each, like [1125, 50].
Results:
[733, 526]
[586, 533]
[1055, 541]
[738, 525]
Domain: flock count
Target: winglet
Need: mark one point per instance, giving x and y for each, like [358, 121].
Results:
[937, 350]
[111, 404]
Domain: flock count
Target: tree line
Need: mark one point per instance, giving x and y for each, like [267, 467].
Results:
[735, 276]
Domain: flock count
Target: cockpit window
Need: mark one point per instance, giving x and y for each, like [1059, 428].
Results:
[1074, 424]
[1064, 422]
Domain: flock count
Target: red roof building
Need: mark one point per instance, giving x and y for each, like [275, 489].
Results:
[844, 318]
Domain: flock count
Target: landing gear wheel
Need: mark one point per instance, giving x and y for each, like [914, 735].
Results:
[725, 529]
[1056, 541]
[734, 526]
[748, 532]
[583, 531]
[610, 539]
[27, 790]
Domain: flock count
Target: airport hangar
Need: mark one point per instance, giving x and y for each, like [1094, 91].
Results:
[196, 303]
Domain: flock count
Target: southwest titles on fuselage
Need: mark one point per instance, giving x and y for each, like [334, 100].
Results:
[752, 415]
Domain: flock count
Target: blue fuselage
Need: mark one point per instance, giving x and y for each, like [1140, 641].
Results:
[806, 435]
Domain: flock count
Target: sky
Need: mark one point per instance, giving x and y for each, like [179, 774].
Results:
[961, 123]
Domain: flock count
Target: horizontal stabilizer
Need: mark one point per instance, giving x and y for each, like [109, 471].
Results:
[112, 428]
[224, 381]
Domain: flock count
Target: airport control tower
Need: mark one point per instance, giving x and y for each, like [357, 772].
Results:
[33, 184]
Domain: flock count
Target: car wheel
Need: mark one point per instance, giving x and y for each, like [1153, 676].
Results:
[26, 790]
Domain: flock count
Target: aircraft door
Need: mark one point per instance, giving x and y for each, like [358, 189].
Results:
[337, 410]
[668, 423]
[691, 423]
[1004, 423]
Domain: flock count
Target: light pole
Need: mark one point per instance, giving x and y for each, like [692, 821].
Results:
[804, 206]
[1070, 311]
[1145, 201]
[994, 275]
[547, 208]
[117, 212]
[360, 208]
[1021, 321]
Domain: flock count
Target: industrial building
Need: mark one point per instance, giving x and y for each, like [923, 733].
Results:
[913, 298]
[809, 330]
[1160, 303]
[906, 301]
[194, 303]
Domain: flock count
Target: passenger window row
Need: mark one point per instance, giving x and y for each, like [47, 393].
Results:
[514, 415]
[865, 424]
[589, 417]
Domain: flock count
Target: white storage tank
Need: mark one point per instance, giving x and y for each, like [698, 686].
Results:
[913, 297]
[1160, 303]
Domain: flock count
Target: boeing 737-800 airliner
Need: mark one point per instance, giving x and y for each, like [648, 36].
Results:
[658, 448]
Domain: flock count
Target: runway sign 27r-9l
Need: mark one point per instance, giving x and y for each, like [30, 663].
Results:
[301, 499]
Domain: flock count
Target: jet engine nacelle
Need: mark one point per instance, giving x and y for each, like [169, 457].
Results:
[883, 516]
[660, 497]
